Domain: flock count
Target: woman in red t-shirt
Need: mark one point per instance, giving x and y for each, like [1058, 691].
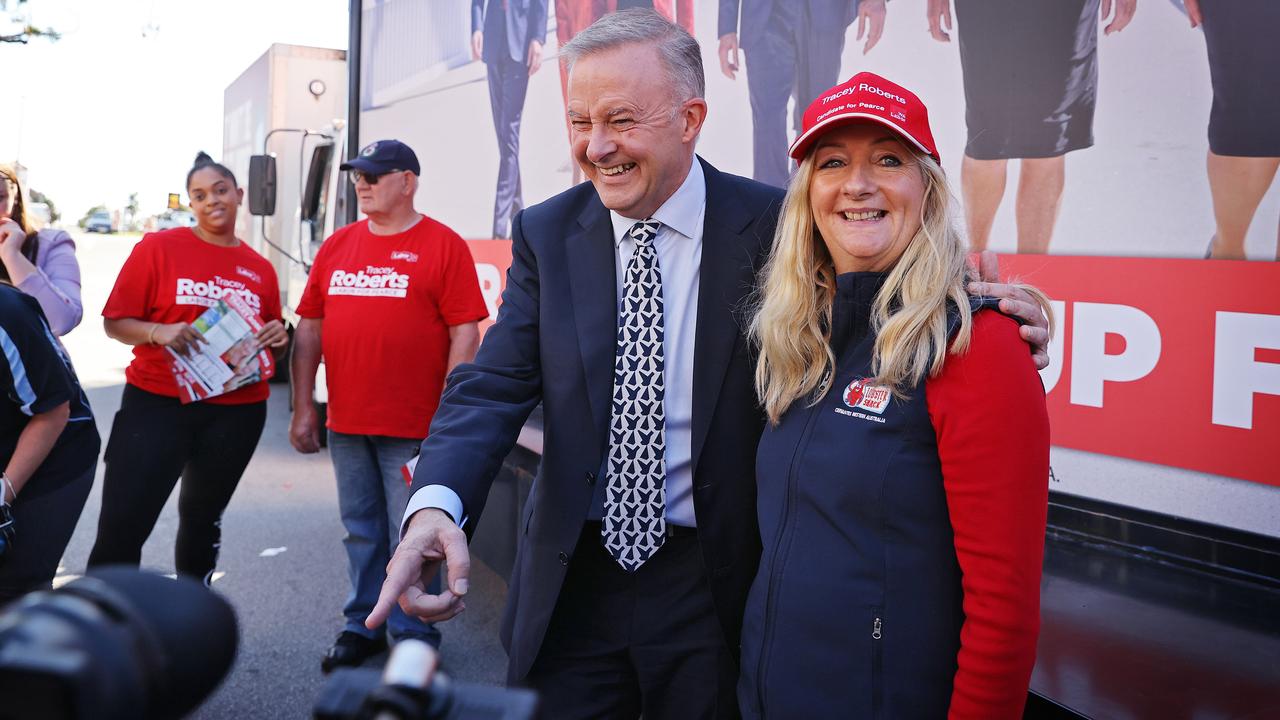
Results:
[170, 278]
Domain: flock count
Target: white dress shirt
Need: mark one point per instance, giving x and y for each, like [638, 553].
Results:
[679, 247]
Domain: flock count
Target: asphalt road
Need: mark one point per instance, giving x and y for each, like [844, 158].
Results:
[282, 564]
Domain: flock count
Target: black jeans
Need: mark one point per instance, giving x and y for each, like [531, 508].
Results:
[154, 440]
[44, 516]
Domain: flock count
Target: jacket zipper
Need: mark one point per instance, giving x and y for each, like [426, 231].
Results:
[877, 627]
[775, 577]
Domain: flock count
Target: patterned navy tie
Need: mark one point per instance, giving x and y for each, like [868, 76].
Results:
[634, 524]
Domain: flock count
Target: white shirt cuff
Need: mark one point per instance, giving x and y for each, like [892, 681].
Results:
[434, 496]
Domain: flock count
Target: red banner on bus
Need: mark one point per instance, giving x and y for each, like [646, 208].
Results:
[1175, 362]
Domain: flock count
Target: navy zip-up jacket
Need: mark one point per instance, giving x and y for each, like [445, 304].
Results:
[902, 538]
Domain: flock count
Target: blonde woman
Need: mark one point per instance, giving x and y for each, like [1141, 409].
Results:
[902, 477]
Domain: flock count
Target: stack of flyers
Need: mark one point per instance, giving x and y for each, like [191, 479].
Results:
[230, 356]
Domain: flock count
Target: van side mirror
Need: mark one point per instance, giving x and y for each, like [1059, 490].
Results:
[262, 185]
[317, 182]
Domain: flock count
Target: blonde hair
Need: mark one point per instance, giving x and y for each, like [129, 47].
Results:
[791, 324]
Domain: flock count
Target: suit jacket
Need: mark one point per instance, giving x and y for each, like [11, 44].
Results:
[554, 342]
[511, 31]
[756, 15]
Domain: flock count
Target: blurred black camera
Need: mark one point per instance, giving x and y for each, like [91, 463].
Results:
[122, 644]
[409, 689]
[116, 644]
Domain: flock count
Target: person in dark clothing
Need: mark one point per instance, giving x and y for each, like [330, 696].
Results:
[792, 51]
[1244, 122]
[902, 533]
[508, 36]
[48, 447]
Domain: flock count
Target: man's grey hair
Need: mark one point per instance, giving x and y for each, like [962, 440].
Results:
[677, 48]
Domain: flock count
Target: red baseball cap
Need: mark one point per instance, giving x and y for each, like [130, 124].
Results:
[867, 97]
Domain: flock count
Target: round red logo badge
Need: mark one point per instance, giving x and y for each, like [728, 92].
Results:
[853, 393]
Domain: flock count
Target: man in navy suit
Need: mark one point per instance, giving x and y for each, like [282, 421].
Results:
[793, 50]
[613, 611]
[507, 35]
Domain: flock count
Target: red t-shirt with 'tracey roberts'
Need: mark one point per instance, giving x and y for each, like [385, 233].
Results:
[173, 276]
[387, 302]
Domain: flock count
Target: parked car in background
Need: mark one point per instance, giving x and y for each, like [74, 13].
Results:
[175, 218]
[99, 221]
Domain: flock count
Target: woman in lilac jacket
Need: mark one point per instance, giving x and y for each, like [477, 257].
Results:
[41, 264]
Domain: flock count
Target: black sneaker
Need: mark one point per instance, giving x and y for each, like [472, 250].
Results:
[351, 649]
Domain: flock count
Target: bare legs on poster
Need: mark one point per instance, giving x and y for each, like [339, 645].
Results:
[1040, 185]
[1237, 185]
[982, 184]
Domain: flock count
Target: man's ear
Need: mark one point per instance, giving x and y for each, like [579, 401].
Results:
[693, 115]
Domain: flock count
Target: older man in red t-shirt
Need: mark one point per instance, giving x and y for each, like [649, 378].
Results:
[393, 304]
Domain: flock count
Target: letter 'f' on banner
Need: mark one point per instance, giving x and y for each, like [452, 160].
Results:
[1237, 373]
[1210, 404]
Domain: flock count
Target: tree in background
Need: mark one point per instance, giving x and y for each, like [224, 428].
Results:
[39, 197]
[85, 220]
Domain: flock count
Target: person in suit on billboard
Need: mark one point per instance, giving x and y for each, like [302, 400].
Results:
[793, 50]
[508, 35]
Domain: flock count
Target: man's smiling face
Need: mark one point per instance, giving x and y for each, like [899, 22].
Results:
[633, 139]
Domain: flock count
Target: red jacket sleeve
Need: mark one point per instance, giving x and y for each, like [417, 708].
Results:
[987, 408]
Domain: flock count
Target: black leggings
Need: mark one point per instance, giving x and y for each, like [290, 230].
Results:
[154, 439]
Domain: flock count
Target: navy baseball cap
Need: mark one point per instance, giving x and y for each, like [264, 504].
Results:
[384, 156]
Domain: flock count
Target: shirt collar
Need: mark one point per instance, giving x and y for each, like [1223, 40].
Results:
[680, 212]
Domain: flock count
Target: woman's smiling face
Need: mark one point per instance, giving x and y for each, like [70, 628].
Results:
[866, 195]
[214, 199]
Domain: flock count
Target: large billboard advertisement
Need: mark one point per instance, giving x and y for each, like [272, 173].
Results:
[1104, 147]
